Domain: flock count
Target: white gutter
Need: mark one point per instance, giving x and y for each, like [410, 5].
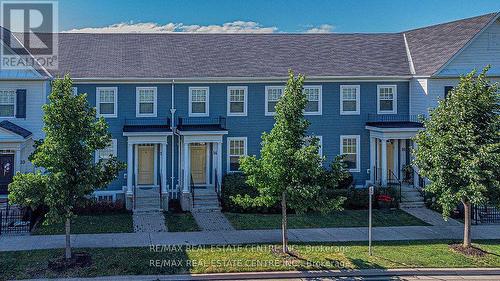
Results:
[172, 126]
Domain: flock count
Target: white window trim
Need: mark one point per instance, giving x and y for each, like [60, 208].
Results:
[358, 150]
[207, 102]
[114, 144]
[15, 103]
[358, 99]
[394, 101]
[98, 89]
[267, 113]
[137, 103]
[320, 100]
[229, 139]
[320, 143]
[245, 100]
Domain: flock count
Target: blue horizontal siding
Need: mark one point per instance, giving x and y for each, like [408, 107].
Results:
[330, 125]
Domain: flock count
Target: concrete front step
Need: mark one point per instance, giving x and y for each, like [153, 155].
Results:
[412, 205]
[147, 210]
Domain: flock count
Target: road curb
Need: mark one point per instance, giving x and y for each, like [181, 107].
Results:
[301, 274]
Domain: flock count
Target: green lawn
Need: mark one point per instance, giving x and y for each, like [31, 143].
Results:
[210, 259]
[102, 223]
[346, 218]
[180, 222]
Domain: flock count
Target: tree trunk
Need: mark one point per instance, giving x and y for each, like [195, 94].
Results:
[284, 228]
[467, 224]
[68, 242]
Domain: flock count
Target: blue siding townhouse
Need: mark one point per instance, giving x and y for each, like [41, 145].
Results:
[182, 108]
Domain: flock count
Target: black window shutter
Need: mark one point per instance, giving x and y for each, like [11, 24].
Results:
[21, 103]
[447, 90]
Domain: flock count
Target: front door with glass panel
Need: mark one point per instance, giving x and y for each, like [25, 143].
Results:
[198, 163]
[6, 171]
[145, 161]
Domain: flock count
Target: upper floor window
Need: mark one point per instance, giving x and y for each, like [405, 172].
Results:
[7, 103]
[307, 142]
[108, 151]
[387, 99]
[237, 147]
[237, 101]
[313, 95]
[273, 94]
[198, 101]
[447, 90]
[349, 147]
[145, 102]
[107, 101]
[74, 91]
[349, 99]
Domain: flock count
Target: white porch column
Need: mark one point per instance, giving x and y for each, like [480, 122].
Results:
[207, 163]
[219, 162]
[395, 157]
[130, 166]
[185, 180]
[384, 161]
[163, 167]
[17, 161]
[402, 159]
[373, 148]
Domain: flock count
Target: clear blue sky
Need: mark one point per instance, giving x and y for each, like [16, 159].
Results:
[285, 15]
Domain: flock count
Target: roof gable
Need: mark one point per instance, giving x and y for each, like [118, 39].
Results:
[482, 50]
[432, 47]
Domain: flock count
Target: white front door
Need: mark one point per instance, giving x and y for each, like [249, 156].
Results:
[198, 163]
[145, 161]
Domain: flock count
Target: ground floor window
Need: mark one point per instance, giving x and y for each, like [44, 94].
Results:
[349, 147]
[237, 147]
[108, 151]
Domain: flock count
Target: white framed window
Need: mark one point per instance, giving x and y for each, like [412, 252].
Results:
[320, 143]
[387, 97]
[108, 151]
[107, 101]
[146, 101]
[237, 100]
[273, 94]
[198, 101]
[314, 97]
[236, 147]
[349, 99]
[7, 103]
[74, 91]
[349, 147]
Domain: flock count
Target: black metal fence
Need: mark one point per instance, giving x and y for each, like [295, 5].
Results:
[485, 214]
[15, 221]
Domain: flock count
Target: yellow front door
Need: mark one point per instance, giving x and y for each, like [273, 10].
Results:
[145, 160]
[198, 163]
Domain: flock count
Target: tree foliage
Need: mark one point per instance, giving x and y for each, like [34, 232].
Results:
[66, 156]
[459, 150]
[289, 160]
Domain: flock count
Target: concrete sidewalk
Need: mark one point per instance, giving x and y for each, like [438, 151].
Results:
[115, 240]
[365, 274]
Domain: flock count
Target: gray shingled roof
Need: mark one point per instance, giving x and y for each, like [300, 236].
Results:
[431, 47]
[188, 55]
[9, 126]
[231, 55]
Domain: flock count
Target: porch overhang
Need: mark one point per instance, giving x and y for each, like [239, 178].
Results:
[12, 133]
[393, 133]
[151, 127]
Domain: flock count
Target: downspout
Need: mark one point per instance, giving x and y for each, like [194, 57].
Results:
[172, 126]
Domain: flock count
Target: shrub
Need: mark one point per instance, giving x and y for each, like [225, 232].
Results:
[358, 198]
[235, 184]
[92, 207]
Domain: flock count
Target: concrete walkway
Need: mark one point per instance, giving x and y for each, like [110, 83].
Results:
[149, 222]
[113, 240]
[431, 217]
